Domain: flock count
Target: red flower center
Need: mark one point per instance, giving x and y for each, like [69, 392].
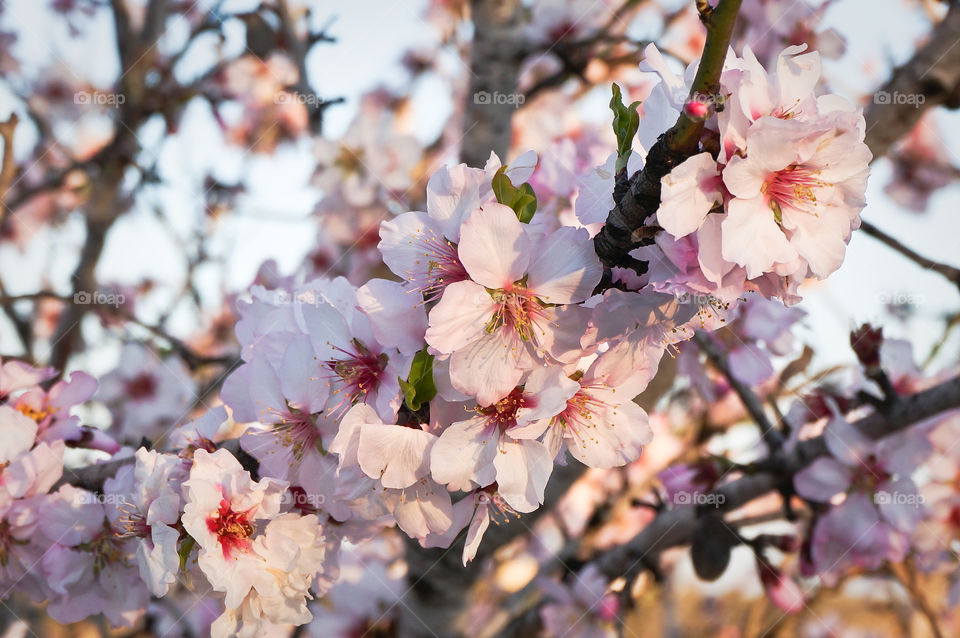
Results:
[503, 413]
[232, 528]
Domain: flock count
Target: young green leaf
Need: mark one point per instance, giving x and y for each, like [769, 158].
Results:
[626, 121]
[419, 387]
[522, 200]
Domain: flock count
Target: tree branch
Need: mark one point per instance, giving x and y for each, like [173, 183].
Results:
[771, 436]
[949, 272]
[623, 229]
[8, 168]
[932, 74]
[191, 358]
[495, 57]
[675, 526]
[298, 50]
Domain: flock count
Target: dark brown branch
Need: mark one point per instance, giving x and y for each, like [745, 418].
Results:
[930, 78]
[92, 477]
[137, 52]
[771, 436]
[8, 168]
[185, 352]
[299, 48]
[675, 526]
[624, 227]
[949, 272]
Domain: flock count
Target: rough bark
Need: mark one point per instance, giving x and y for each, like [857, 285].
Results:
[624, 227]
[930, 78]
[495, 57]
[675, 526]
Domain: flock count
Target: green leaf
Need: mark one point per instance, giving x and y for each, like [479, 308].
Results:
[522, 200]
[626, 121]
[777, 213]
[419, 387]
[186, 546]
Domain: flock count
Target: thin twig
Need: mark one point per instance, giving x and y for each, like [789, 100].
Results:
[908, 578]
[191, 358]
[8, 169]
[949, 272]
[771, 436]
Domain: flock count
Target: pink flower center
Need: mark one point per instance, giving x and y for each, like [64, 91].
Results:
[194, 442]
[561, 30]
[519, 311]
[233, 529]
[131, 524]
[503, 413]
[296, 430]
[578, 416]
[793, 187]
[358, 373]
[498, 510]
[872, 474]
[439, 267]
[349, 160]
[38, 414]
[105, 549]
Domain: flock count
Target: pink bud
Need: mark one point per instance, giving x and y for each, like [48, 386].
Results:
[96, 439]
[781, 590]
[697, 109]
[609, 607]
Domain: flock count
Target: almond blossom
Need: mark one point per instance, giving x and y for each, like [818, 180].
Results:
[505, 319]
[797, 194]
[600, 427]
[881, 506]
[147, 508]
[398, 458]
[494, 445]
[262, 560]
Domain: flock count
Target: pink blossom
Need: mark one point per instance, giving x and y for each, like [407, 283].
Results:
[356, 366]
[148, 393]
[398, 457]
[796, 195]
[485, 448]
[881, 504]
[17, 375]
[600, 426]
[581, 609]
[88, 569]
[503, 321]
[265, 571]
[146, 507]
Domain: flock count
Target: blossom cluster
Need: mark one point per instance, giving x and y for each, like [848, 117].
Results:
[441, 399]
[776, 199]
